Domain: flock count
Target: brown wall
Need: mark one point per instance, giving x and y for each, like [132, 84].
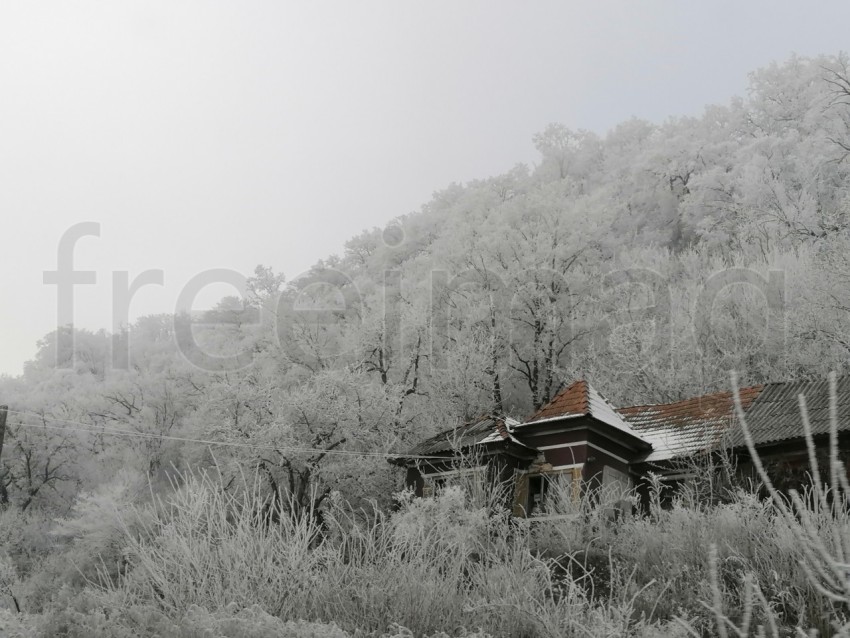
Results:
[566, 455]
[613, 447]
[593, 468]
[578, 432]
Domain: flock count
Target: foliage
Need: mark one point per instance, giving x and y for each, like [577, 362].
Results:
[442, 563]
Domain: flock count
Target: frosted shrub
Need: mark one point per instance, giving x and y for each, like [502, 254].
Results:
[207, 547]
[14, 625]
[399, 631]
[408, 568]
[24, 536]
[447, 519]
[439, 565]
[818, 521]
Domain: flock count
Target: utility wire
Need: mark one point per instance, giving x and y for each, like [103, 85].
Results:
[90, 429]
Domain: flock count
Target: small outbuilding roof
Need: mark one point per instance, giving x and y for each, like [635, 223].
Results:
[481, 431]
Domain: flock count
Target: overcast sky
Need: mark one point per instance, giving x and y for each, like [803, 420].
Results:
[203, 134]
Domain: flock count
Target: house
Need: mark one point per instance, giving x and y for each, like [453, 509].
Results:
[580, 438]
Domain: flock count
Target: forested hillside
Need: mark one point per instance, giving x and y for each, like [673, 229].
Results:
[651, 260]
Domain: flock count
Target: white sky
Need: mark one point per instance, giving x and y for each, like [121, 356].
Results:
[204, 134]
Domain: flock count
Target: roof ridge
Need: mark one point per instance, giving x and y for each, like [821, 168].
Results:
[607, 413]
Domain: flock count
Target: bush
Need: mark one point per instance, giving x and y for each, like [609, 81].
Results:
[438, 566]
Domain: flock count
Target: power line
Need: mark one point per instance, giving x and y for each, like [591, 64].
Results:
[90, 429]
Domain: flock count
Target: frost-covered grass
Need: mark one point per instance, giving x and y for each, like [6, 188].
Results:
[213, 562]
[209, 562]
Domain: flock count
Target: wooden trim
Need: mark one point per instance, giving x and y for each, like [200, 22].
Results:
[611, 454]
[577, 472]
[521, 494]
[556, 468]
[598, 448]
[560, 445]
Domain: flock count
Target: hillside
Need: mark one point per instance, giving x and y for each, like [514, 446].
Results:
[651, 260]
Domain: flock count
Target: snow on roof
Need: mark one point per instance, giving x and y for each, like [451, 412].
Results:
[485, 429]
[689, 426]
[674, 430]
[582, 399]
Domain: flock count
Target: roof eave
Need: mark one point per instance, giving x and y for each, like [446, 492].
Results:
[550, 419]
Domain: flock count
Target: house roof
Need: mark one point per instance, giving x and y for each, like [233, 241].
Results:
[689, 426]
[481, 431]
[674, 430]
[577, 400]
[772, 412]
[572, 401]
[775, 415]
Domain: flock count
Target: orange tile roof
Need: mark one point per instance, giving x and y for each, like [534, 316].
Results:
[677, 429]
[572, 401]
[581, 399]
[687, 426]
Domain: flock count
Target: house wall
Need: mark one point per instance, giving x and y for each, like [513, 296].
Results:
[499, 467]
[602, 452]
[573, 449]
[581, 445]
[561, 449]
[615, 450]
[569, 431]
[414, 476]
[574, 454]
[788, 465]
[594, 470]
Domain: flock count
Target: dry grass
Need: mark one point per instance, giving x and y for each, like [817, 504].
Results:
[744, 566]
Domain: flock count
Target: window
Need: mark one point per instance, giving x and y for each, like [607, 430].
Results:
[537, 488]
[533, 491]
[615, 479]
[470, 479]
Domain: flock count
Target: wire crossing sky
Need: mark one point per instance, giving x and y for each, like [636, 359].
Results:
[205, 134]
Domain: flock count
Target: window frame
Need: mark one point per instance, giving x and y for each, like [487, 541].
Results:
[522, 505]
[435, 482]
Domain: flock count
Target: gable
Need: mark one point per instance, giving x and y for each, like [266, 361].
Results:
[580, 399]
